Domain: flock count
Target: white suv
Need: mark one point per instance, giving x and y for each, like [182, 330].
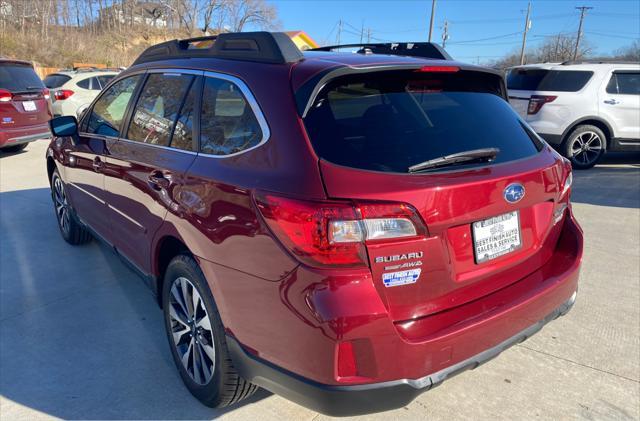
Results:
[582, 108]
[72, 91]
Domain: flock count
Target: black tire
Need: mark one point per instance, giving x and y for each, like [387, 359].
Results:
[71, 229]
[225, 386]
[585, 146]
[14, 149]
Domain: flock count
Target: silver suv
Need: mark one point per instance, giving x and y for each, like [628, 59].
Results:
[73, 90]
[581, 108]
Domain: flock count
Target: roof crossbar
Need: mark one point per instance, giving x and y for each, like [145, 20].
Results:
[411, 49]
[262, 47]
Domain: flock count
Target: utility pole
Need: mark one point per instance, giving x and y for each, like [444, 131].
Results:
[527, 25]
[445, 34]
[339, 32]
[433, 13]
[583, 10]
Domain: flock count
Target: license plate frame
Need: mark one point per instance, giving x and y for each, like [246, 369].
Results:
[29, 106]
[498, 229]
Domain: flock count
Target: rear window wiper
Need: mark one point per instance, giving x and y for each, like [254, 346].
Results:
[482, 155]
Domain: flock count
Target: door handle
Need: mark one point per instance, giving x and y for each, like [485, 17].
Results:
[611, 101]
[158, 181]
[97, 164]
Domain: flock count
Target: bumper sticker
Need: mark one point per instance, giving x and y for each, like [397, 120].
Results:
[404, 277]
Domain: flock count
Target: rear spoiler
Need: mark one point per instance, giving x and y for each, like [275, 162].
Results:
[307, 93]
[409, 49]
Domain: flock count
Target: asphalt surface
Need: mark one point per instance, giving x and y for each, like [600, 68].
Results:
[82, 338]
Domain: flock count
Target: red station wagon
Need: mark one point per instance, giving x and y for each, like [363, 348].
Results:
[25, 107]
[347, 230]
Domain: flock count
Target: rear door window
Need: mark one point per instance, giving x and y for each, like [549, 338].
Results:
[17, 77]
[108, 111]
[624, 83]
[565, 80]
[55, 80]
[157, 108]
[228, 124]
[389, 122]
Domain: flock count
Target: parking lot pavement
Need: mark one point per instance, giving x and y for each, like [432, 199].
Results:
[82, 338]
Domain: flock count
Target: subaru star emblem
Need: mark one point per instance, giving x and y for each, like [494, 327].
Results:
[513, 193]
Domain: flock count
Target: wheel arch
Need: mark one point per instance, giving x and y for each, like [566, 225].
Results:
[593, 121]
[51, 167]
[166, 248]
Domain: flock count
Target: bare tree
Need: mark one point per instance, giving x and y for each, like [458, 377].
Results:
[251, 12]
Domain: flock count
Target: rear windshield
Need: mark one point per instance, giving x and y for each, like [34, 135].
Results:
[389, 121]
[19, 77]
[547, 80]
[55, 81]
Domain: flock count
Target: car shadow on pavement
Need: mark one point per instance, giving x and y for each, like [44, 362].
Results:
[614, 182]
[81, 336]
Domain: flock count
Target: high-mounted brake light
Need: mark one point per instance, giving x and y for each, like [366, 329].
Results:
[439, 69]
[537, 101]
[62, 94]
[5, 96]
[333, 233]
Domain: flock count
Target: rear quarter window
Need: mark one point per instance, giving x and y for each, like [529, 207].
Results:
[55, 81]
[565, 80]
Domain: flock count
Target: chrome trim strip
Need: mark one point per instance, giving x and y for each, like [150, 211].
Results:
[29, 138]
[127, 217]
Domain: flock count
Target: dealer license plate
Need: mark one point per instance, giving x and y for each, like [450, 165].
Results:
[497, 236]
[29, 105]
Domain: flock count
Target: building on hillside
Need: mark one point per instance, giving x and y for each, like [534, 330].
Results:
[302, 40]
[142, 13]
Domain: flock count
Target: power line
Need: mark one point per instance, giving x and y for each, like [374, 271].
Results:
[487, 39]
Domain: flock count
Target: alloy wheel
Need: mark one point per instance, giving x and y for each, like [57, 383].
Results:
[586, 148]
[61, 205]
[191, 331]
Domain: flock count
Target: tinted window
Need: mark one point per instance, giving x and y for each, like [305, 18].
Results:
[108, 112]
[158, 107]
[85, 83]
[227, 124]
[55, 80]
[104, 80]
[565, 80]
[183, 132]
[626, 83]
[18, 77]
[389, 122]
[525, 79]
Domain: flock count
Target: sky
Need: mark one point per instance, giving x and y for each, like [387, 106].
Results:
[479, 31]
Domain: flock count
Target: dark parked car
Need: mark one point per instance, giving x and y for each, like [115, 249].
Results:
[346, 230]
[25, 107]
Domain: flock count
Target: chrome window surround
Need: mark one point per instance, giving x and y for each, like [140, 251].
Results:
[264, 127]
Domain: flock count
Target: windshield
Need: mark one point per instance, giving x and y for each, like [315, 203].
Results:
[389, 121]
[19, 77]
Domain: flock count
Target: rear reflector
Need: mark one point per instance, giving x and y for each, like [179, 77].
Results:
[332, 233]
[346, 360]
[537, 101]
[5, 96]
[439, 69]
[62, 94]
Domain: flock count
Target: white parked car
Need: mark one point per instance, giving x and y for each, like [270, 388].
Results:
[581, 108]
[72, 91]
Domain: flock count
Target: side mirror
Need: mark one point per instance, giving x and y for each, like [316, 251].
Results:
[64, 126]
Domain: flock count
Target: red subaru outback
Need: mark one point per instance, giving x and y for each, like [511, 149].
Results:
[25, 108]
[347, 230]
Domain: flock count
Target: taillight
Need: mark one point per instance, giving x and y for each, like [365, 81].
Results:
[537, 101]
[332, 233]
[5, 96]
[46, 93]
[62, 94]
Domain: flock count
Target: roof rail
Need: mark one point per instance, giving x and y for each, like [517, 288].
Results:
[412, 49]
[261, 47]
[598, 61]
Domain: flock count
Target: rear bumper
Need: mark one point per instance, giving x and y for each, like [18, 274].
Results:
[376, 397]
[394, 363]
[19, 135]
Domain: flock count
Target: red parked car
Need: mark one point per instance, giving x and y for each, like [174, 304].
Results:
[25, 108]
[347, 230]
